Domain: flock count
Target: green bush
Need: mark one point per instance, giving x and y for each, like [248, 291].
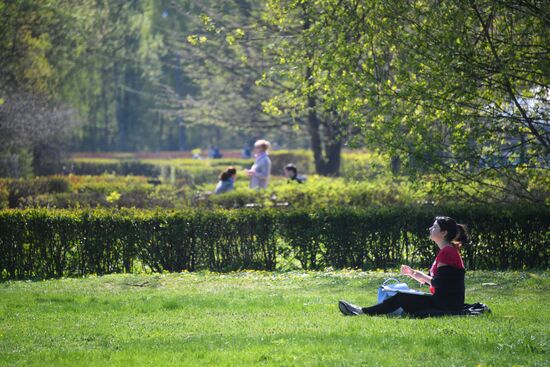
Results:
[188, 171]
[320, 192]
[20, 189]
[18, 164]
[138, 191]
[44, 243]
[4, 194]
[234, 199]
[302, 159]
[364, 165]
[194, 175]
[371, 170]
[122, 168]
[236, 162]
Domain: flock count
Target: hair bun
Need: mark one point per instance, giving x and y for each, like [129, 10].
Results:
[461, 236]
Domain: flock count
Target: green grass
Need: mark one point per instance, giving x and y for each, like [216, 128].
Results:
[263, 319]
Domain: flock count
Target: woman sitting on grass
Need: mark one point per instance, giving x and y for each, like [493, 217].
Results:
[446, 278]
[227, 180]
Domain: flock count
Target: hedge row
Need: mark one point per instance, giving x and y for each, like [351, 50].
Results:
[355, 165]
[42, 243]
[191, 174]
[152, 167]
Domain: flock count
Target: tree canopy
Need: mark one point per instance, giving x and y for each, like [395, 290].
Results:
[459, 89]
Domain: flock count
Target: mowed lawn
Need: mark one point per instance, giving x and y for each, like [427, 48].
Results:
[264, 319]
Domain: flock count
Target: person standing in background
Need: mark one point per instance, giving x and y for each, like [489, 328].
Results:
[261, 169]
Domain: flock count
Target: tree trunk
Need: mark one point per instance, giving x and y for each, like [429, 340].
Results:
[325, 143]
[326, 147]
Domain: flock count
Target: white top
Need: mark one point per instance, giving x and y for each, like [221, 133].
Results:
[262, 171]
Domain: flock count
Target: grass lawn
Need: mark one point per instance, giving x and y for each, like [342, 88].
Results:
[264, 319]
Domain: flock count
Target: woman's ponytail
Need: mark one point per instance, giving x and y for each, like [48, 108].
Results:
[457, 234]
[461, 238]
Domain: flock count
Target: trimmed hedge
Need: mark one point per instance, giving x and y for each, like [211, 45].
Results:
[42, 243]
[122, 168]
[17, 189]
[190, 174]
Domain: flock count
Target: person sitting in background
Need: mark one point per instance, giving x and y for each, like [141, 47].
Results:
[227, 180]
[292, 173]
[259, 172]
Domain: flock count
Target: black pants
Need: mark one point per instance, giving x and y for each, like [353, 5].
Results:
[411, 303]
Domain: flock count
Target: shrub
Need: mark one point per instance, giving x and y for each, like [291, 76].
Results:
[19, 189]
[302, 159]
[321, 192]
[190, 171]
[44, 243]
[194, 175]
[4, 195]
[106, 184]
[360, 166]
[122, 168]
[141, 198]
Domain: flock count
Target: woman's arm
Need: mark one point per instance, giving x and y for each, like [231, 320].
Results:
[416, 275]
[421, 277]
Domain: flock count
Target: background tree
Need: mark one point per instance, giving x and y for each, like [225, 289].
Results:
[223, 54]
[244, 51]
[457, 89]
[39, 49]
[114, 84]
[460, 87]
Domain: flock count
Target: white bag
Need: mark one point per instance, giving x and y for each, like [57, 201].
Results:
[388, 290]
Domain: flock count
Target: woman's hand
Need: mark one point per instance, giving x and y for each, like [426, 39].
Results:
[407, 270]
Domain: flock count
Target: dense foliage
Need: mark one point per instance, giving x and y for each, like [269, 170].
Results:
[458, 88]
[141, 192]
[38, 243]
[150, 181]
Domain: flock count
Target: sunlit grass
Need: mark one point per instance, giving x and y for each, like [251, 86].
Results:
[267, 319]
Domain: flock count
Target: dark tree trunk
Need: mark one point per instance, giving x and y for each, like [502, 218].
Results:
[333, 153]
[326, 156]
[325, 143]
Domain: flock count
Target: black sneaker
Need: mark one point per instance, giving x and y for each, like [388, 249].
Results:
[348, 309]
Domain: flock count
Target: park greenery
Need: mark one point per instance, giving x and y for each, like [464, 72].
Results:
[423, 105]
[264, 319]
[366, 180]
[114, 250]
[38, 243]
[458, 90]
